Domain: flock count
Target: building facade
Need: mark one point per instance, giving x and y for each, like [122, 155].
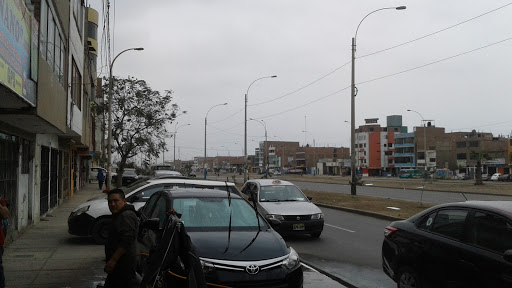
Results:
[42, 105]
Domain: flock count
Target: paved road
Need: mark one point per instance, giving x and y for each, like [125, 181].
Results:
[349, 248]
[401, 194]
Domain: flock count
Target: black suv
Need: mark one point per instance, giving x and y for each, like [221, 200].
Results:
[464, 244]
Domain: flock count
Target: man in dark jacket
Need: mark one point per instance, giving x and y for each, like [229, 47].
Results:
[120, 250]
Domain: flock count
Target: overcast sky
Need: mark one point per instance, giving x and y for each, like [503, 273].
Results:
[209, 52]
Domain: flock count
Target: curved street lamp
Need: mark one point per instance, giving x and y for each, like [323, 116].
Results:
[353, 181]
[176, 127]
[109, 137]
[205, 122]
[265, 154]
[245, 122]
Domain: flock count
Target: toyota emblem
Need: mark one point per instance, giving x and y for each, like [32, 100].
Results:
[252, 269]
[298, 218]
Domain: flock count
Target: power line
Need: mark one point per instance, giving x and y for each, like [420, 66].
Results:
[436, 32]
[303, 87]
[435, 62]
[387, 76]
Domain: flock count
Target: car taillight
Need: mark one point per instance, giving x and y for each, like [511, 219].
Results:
[389, 230]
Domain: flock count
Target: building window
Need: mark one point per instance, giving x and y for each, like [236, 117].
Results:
[473, 156]
[461, 156]
[390, 145]
[51, 44]
[76, 86]
[432, 160]
[421, 155]
[460, 144]
[473, 143]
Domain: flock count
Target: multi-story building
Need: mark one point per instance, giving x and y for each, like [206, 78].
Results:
[375, 146]
[44, 106]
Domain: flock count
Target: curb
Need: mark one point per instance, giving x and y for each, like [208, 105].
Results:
[328, 274]
[360, 212]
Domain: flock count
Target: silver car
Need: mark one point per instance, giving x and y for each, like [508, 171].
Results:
[93, 217]
[285, 206]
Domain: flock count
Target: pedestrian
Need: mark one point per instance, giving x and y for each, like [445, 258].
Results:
[120, 250]
[101, 178]
[4, 214]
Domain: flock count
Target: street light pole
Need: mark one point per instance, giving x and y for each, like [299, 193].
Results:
[205, 164]
[424, 140]
[175, 132]
[109, 137]
[245, 124]
[353, 90]
[265, 154]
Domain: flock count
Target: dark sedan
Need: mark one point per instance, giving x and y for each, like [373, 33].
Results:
[467, 244]
[129, 176]
[236, 246]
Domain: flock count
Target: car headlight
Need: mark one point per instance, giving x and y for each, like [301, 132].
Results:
[317, 216]
[80, 211]
[207, 266]
[292, 261]
[274, 216]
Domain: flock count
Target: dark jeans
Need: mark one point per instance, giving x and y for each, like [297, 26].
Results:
[100, 183]
[2, 276]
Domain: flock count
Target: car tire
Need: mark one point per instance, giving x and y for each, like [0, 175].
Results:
[100, 230]
[407, 278]
[316, 234]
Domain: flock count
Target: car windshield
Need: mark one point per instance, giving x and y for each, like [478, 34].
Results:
[278, 193]
[212, 214]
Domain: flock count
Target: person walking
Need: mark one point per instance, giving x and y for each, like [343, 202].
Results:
[4, 214]
[120, 250]
[101, 178]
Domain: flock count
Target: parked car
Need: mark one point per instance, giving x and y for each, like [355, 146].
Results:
[129, 176]
[504, 178]
[285, 202]
[93, 217]
[495, 176]
[93, 173]
[161, 173]
[486, 177]
[236, 246]
[465, 244]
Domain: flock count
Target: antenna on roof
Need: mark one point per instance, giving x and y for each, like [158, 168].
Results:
[464, 196]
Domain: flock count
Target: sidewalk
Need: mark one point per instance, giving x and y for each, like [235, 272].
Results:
[45, 255]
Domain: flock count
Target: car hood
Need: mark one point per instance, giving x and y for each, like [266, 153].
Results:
[266, 244]
[290, 208]
[94, 202]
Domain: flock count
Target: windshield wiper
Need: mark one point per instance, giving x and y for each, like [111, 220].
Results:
[230, 213]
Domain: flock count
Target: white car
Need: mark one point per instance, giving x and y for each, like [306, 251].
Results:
[93, 173]
[285, 206]
[93, 217]
[495, 176]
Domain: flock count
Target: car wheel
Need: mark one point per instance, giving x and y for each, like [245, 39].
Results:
[100, 230]
[408, 278]
[316, 234]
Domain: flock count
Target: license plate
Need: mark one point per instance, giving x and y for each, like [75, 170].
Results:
[299, 226]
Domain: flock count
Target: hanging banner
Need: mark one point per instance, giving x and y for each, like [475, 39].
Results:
[15, 35]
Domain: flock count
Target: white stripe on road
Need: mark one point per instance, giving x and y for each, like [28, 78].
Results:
[340, 228]
[309, 267]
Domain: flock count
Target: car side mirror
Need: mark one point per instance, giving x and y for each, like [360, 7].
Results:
[151, 224]
[132, 198]
[508, 255]
[274, 223]
[310, 198]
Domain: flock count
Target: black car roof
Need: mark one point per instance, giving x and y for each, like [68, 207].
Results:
[502, 207]
[199, 193]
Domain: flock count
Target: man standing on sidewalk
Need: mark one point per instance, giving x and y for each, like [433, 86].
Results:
[101, 178]
[4, 214]
[120, 248]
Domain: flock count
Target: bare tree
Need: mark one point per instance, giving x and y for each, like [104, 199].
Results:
[139, 118]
